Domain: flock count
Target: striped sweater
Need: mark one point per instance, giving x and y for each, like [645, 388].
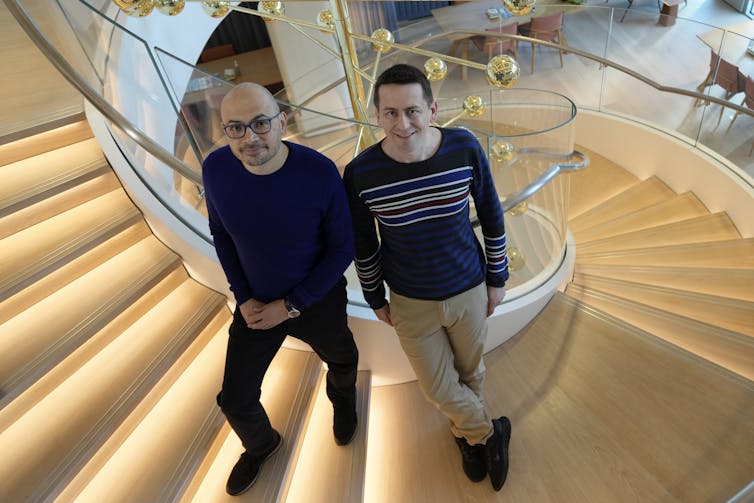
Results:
[426, 247]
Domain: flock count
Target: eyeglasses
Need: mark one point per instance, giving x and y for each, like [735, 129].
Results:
[236, 130]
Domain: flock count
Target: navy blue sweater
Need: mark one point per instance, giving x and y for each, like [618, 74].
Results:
[284, 234]
[426, 248]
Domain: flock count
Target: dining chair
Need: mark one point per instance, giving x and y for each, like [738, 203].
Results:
[726, 75]
[498, 45]
[748, 101]
[548, 28]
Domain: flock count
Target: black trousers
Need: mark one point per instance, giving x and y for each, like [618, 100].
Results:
[323, 326]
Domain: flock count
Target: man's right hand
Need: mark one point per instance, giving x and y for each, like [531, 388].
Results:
[383, 314]
[248, 310]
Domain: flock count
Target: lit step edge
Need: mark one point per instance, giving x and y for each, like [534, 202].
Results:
[205, 351]
[724, 312]
[90, 324]
[129, 400]
[35, 143]
[725, 348]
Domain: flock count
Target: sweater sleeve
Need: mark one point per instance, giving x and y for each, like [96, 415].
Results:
[338, 246]
[226, 252]
[368, 257]
[490, 214]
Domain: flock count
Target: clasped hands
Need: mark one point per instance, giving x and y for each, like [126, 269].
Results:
[261, 316]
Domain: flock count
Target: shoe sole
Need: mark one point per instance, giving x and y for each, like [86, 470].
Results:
[272, 452]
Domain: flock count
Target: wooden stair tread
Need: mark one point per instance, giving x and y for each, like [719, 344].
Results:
[48, 245]
[287, 394]
[675, 209]
[180, 411]
[728, 349]
[729, 254]
[640, 195]
[67, 318]
[44, 142]
[322, 461]
[706, 228]
[600, 181]
[730, 314]
[731, 283]
[68, 424]
[35, 177]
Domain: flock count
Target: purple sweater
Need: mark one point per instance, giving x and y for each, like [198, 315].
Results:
[284, 234]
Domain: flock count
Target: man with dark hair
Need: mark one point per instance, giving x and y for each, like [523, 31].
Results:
[282, 230]
[416, 183]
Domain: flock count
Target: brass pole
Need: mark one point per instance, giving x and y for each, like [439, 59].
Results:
[350, 63]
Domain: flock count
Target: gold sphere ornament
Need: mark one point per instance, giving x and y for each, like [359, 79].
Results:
[216, 8]
[473, 106]
[170, 7]
[519, 7]
[135, 8]
[381, 35]
[435, 69]
[503, 71]
[519, 209]
[501, 151]
[325, 19]
[516, 259]
[274, 8]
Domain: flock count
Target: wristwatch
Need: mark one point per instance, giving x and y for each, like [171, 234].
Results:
[292, 311]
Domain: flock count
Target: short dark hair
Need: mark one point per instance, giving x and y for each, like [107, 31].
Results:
[403, 74]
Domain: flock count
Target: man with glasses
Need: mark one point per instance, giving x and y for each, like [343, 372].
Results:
[279, 217]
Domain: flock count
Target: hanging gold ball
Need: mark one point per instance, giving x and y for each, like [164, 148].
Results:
[516, 259]
[519, 209]
[435, 69]
[325, 19]
[501, 151]
[216, 8]
[381, 35]
[275, 8]
[473, 106]
[503, 71]
[135, 8]
[519, 7]
[170, 7]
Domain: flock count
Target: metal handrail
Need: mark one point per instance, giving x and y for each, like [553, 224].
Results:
[91, 95]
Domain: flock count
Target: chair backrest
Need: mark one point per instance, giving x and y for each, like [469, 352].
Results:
[546, 27]
[503, 43]
[726, 75]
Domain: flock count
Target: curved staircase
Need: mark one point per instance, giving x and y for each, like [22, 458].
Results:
[636, 384]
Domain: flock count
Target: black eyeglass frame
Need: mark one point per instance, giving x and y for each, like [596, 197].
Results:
[250, 125]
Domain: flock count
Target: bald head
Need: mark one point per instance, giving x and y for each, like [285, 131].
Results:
[248, 94]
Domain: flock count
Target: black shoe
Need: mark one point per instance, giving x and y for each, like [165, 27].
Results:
[344, 422]
[474, 465]
[246, 471]
[496, 452]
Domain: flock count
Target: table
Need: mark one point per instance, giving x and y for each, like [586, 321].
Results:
[473, 16]
[258, 66]
[734, 50]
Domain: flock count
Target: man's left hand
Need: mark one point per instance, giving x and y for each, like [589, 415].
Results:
[269, 315]
[495, 297]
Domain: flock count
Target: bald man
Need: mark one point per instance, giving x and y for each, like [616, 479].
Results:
[279, 217]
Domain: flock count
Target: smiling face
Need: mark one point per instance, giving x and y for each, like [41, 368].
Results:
[405, 116]
[260, 153]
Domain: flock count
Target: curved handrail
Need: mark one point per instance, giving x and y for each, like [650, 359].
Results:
[522, 195]
[91, 95]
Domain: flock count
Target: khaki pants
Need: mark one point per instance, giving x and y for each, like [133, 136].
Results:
[444, 341]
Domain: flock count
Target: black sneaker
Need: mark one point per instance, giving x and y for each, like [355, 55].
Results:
[344, 422]
[496, 452]
[246, 471]
[474, 465]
